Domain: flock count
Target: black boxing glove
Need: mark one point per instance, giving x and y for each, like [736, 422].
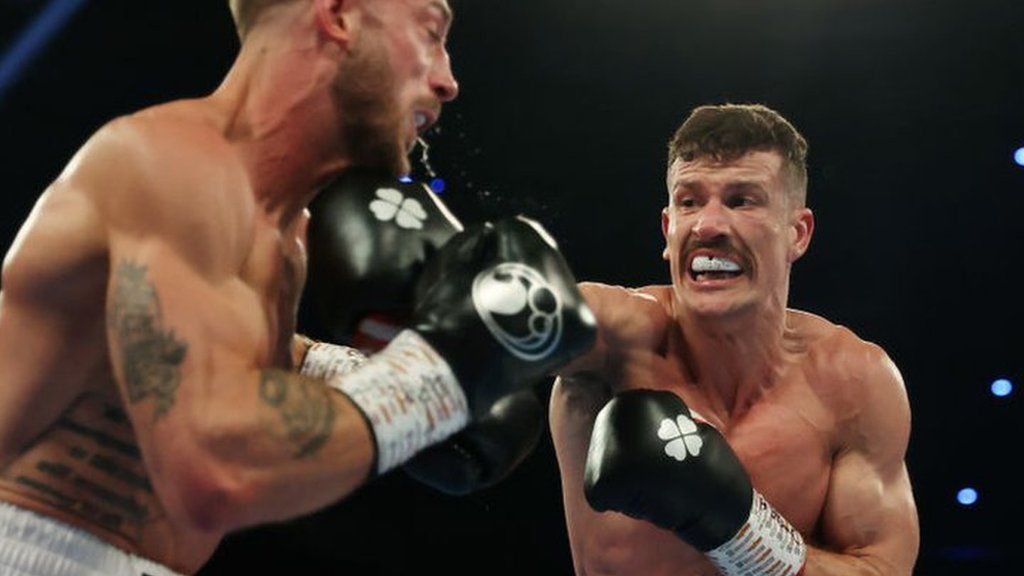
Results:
[651, 458]
[501, 305]
[496, 309]
[370, 236]
[487, 451]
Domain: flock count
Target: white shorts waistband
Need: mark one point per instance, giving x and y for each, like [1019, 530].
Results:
[34, 545]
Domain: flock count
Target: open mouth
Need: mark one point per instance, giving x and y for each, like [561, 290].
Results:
[422, 121]
[707, 268]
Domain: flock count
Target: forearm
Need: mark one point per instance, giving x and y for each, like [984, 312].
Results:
[306, 445]
[300, 347]
[282, 445]
[821, 562]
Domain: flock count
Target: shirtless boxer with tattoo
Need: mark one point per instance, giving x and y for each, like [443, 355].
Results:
[153, 393]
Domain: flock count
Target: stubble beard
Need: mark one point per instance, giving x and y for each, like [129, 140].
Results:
[371, 122]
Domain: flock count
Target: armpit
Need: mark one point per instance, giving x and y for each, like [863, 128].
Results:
[581, 394]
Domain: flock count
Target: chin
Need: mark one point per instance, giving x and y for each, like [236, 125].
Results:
[719, 305]
[389, 156]
[715, 310]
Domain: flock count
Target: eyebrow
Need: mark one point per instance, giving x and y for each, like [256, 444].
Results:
[740, 183]
[744, 185]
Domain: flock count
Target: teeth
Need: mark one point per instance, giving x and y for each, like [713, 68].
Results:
[421, 120]
[713, 264]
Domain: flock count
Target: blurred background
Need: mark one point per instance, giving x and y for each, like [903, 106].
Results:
[913, 111]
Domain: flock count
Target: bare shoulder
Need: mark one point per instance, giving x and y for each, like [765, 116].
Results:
[857, 377]
[629, 320]
[630, 317]
[165, 172]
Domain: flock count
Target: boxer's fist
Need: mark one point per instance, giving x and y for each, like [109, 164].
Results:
[486, 451]
[652, 459]
[369, 238]
[501, 306]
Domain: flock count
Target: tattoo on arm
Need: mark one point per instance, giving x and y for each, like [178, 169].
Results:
[151, 355]
[305, 407]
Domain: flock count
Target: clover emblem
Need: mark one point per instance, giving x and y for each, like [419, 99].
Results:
[391, 204]
[681, 437]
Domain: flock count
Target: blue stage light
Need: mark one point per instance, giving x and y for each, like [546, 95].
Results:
[1002, 387]
[967, 496]
[34, 39]
[1018, 156]
[405, 179]
[438, 185]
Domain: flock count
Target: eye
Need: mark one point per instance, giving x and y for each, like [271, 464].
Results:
[742, 201]
[686, 202]
[435, 30]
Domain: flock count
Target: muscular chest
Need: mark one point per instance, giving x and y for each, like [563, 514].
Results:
[785, 440]
[275, 273]
[788, 457]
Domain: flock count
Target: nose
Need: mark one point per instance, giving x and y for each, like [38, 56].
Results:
[443, 81]
[712, 222]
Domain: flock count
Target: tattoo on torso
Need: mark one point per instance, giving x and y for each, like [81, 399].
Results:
[151, 355]
[89, 465]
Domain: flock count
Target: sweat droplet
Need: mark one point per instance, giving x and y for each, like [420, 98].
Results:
[425, 157]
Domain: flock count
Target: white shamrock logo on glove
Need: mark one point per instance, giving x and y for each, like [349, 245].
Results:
[681, 437]
[391, 204]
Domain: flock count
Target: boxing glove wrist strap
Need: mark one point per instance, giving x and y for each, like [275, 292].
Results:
[765, 544]
[324, 360]
[410, 397]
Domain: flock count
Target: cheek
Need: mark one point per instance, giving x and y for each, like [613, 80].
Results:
[678, 224]
[769, 243]
[419, 58]
[676, 234]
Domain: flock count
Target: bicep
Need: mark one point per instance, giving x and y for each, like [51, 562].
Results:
[574, 405]
[176, 307]
[172, 333]
[177, 342]
[870, 514]
[870, 511]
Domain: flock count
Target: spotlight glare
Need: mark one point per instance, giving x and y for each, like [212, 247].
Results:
[1002, 387]
[1018, 156]
[967, 496]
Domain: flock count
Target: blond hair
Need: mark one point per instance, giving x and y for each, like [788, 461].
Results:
[246, 12]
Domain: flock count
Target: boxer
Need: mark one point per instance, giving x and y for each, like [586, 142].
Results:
[713, 430]
[150, 399]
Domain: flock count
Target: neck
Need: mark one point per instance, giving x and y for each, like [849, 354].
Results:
[734, 360]
[279, 113]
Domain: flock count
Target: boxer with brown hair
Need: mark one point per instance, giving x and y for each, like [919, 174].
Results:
[714, 430]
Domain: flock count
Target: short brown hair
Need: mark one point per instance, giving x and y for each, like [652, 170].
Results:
[727, 131]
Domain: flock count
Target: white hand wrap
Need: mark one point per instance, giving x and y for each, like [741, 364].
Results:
[409, 395]
[766, 544]
[325, 360]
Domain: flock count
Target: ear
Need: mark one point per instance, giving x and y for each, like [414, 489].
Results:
[336, 20]
[302, 226]
[802, 227]
[664, 232]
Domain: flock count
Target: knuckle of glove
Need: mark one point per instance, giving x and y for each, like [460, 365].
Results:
[369, 238]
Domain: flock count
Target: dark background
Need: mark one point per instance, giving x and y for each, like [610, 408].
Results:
[913, 112]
